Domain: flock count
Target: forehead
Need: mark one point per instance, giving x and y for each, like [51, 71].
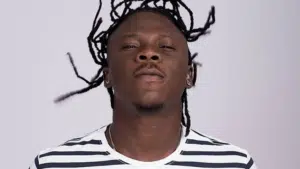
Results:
[148, 22]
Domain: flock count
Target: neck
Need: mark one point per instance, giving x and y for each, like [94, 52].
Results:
[145, 138]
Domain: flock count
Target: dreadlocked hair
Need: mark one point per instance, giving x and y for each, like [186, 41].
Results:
[98, 42]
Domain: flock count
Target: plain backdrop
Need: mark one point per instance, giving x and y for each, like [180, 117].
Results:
[247, 92]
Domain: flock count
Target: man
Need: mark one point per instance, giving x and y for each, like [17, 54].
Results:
[147, 67]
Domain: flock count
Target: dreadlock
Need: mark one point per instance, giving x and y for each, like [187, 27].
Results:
[98, 42]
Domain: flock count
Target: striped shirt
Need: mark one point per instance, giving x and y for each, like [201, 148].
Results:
[194, 151]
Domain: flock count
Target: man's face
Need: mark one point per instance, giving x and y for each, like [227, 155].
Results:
[148, 61]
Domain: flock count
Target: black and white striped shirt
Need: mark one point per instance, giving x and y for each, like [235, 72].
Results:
[93, 152]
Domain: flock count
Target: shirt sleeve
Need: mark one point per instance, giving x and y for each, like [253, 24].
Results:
[35, 164]
[250, 164]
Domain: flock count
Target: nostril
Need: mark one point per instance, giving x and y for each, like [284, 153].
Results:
[142, 57]
[155, 57]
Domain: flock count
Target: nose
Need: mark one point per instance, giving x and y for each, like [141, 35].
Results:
[148, 55]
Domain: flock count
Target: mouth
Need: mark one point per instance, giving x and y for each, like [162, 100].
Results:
[150, 75]
[150, 78]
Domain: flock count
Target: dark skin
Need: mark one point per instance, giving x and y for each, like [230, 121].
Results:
[148, 71]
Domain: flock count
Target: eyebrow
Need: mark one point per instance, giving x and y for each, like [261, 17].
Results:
[134, 35]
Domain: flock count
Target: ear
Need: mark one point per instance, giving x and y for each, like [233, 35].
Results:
[190, 77]
[107, 78]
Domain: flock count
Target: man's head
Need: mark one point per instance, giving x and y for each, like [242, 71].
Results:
[148, 62]
[144, 56]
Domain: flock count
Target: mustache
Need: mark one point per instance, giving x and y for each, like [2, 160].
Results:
[148, 65]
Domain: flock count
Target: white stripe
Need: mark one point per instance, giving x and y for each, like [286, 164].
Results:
[69, 159]
[211, 148]
[212, 159]
[88, 147]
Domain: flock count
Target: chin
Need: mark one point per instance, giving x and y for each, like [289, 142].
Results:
[150, 108]
[150, 102]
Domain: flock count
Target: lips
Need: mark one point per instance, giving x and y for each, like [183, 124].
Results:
[149, 75]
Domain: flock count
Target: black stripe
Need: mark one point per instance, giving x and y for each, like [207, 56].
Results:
[213, 140]
[75, 139]
[82, 164]
[207, 165]
[201, 142]
[214, 153]
[250, 163]
[218, 142]
[74, 153]
[96, 142]
[37, 163]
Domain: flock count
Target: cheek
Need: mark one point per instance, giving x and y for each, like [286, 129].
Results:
[120, 74]
[178, 74]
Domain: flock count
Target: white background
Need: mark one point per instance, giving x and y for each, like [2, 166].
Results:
[247, 92]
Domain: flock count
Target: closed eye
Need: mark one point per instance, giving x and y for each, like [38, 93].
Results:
[129, 46]
[167, 47]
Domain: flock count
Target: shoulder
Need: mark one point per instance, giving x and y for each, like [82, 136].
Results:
[215, 153]
[78, 143]
[81, 149]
